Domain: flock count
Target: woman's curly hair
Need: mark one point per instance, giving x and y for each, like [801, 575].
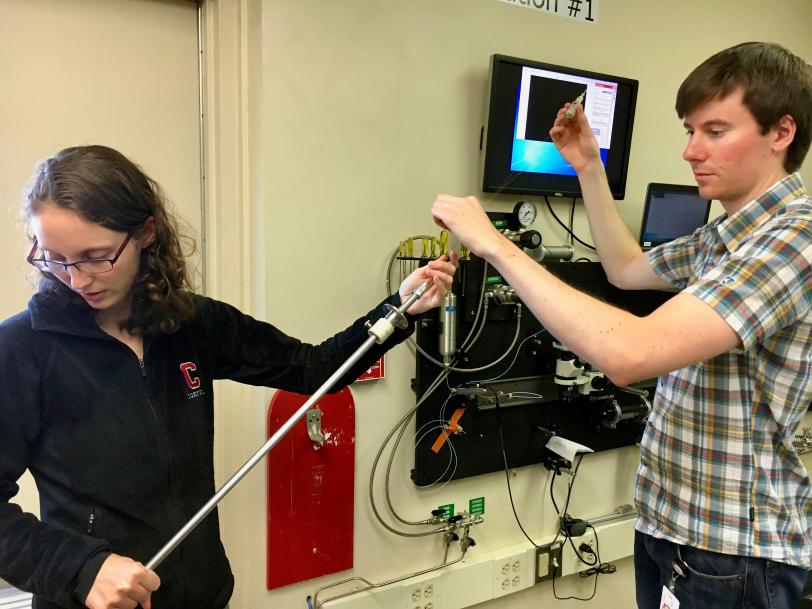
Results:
[105, 187]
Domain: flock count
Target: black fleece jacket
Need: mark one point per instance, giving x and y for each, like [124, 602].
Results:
[121, 449]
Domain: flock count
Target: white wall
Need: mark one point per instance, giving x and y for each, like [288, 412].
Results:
[123, 74]
[369, 109]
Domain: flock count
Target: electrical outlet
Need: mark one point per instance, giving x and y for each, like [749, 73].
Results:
[548, 561]
[423, 592]
[513, 572]
[570, 562]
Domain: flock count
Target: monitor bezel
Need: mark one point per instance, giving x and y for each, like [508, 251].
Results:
[498, 177]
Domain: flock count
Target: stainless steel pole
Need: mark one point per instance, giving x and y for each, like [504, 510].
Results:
[378, 333]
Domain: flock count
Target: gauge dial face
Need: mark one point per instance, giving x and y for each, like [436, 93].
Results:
[525, 213]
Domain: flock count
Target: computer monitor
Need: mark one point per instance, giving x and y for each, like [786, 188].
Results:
[671, 211]
[519, 156]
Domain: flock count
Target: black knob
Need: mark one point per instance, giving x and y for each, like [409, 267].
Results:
[599, 383]
[530, 239]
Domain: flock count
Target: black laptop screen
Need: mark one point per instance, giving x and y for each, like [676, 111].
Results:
[671, 211]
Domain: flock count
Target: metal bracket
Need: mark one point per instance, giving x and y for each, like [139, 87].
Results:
[314, 426]
[397, 318]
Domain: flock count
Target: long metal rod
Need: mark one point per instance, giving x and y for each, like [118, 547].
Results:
[278, 435]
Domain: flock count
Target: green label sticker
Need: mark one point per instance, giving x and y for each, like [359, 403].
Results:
[476, 506]
[448, 510]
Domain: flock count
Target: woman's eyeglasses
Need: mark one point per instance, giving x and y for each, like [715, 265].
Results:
[94, 266]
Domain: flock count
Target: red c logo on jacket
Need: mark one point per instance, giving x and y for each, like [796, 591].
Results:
[192, 381]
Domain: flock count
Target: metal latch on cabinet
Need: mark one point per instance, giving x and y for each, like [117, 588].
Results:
[314, 426]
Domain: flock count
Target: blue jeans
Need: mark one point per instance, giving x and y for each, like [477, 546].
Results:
[713, 581]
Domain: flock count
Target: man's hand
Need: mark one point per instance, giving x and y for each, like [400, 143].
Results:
[122, 583]
[439, 273]
[574, 139]
[465, 218]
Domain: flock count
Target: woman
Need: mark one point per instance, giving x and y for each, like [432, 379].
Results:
[112, 366]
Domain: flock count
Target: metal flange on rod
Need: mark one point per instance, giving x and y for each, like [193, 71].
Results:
[378, 333]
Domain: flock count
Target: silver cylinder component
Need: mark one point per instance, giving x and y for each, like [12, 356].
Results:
[448, 327]
[553, 252]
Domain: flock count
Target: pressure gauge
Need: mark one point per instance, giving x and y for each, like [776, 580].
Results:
[525, 213]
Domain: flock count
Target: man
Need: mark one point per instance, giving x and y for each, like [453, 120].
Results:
[725, 512]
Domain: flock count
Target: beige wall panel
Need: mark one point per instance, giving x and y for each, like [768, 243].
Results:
[123, 74]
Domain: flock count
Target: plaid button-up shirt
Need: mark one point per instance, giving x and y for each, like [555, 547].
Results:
[718, 469]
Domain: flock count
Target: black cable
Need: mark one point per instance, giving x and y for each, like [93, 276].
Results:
[572, 220]
[604, 568]
[559, 514]
[504, 459]
[580, 556]
[564, 226]
[596, 567]
[569, 490]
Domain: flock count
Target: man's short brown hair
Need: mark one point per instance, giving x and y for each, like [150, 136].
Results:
[774, 82]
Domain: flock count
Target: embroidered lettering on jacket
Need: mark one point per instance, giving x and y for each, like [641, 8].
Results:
[193, 382]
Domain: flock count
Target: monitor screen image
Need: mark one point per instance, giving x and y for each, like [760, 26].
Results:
[671, 211]
[519, 155]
